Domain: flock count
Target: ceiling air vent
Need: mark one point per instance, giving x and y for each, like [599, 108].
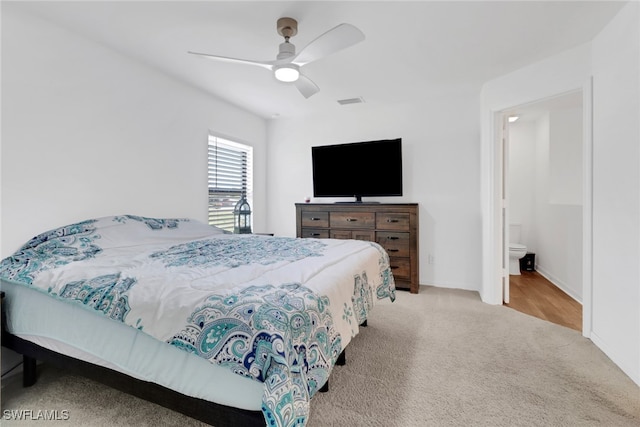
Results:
[358, 100]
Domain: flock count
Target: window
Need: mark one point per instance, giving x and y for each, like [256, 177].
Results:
[230, 175]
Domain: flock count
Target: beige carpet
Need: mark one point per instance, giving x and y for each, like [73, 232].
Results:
[439, 358]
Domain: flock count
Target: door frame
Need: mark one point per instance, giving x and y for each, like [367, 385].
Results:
[494, 233]
[504, 203]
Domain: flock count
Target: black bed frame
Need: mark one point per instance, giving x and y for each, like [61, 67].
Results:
[202, 410]
[199, 409]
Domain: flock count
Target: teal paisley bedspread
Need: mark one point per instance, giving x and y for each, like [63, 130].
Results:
[276, 310]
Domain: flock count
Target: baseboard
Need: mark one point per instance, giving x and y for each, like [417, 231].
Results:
[452, 285]
[557, 282]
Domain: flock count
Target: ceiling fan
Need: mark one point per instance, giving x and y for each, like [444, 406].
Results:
[286, 66]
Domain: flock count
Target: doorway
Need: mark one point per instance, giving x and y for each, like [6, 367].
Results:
[498, 204]
[544, 199]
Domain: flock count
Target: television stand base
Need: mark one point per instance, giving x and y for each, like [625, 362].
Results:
[354, 202]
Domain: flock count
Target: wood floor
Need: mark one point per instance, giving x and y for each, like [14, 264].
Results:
[532, 294]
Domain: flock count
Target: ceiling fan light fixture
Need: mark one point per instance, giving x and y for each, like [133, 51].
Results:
[287, 73]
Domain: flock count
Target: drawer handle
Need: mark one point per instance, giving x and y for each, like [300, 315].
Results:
[394, 267]
[352, 219]
[392, 220]
[314, 234]
[392, 237]
[393, 250]
[314, 219]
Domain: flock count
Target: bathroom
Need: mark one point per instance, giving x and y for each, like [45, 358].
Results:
[545, 176]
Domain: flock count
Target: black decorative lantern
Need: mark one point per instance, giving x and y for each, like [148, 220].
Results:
[242, 217]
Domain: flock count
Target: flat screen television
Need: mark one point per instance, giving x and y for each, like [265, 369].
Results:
[358, 169]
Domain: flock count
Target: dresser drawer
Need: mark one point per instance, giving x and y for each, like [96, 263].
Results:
[392, 221]
[315, 233]
[352, 219]
[395, 243]
[400, 267]
[314, 219]
[368, 235]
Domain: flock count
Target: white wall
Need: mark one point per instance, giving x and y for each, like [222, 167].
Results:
[558, 215]
[565, 157]
[545, 191]
[440, 159]
[521, 178]
[87, 132]
[613, 58]
[616, 190]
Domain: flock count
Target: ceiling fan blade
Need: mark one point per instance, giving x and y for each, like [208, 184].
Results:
[306, 86]
[334, 40]
[264, 64]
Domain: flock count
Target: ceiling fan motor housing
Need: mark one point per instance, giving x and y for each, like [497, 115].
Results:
[286, 50]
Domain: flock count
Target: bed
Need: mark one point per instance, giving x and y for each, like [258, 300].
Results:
[229, 329]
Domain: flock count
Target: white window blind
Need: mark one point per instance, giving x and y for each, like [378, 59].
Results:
[230, 175]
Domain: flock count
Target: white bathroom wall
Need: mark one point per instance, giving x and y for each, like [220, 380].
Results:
[550, 229]
[557, 227]
[87, 132]
[540, 223]
[521, 179]
[565, 157]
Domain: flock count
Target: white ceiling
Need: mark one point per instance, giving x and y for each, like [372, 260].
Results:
[413, 50]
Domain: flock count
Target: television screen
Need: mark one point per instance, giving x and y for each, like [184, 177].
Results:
[359, 169]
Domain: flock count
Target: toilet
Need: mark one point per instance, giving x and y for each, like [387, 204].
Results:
[516, 249]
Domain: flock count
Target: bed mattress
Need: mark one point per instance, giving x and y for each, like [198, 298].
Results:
[35, 317]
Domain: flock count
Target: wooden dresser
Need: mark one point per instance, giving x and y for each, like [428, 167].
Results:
[393, 225]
